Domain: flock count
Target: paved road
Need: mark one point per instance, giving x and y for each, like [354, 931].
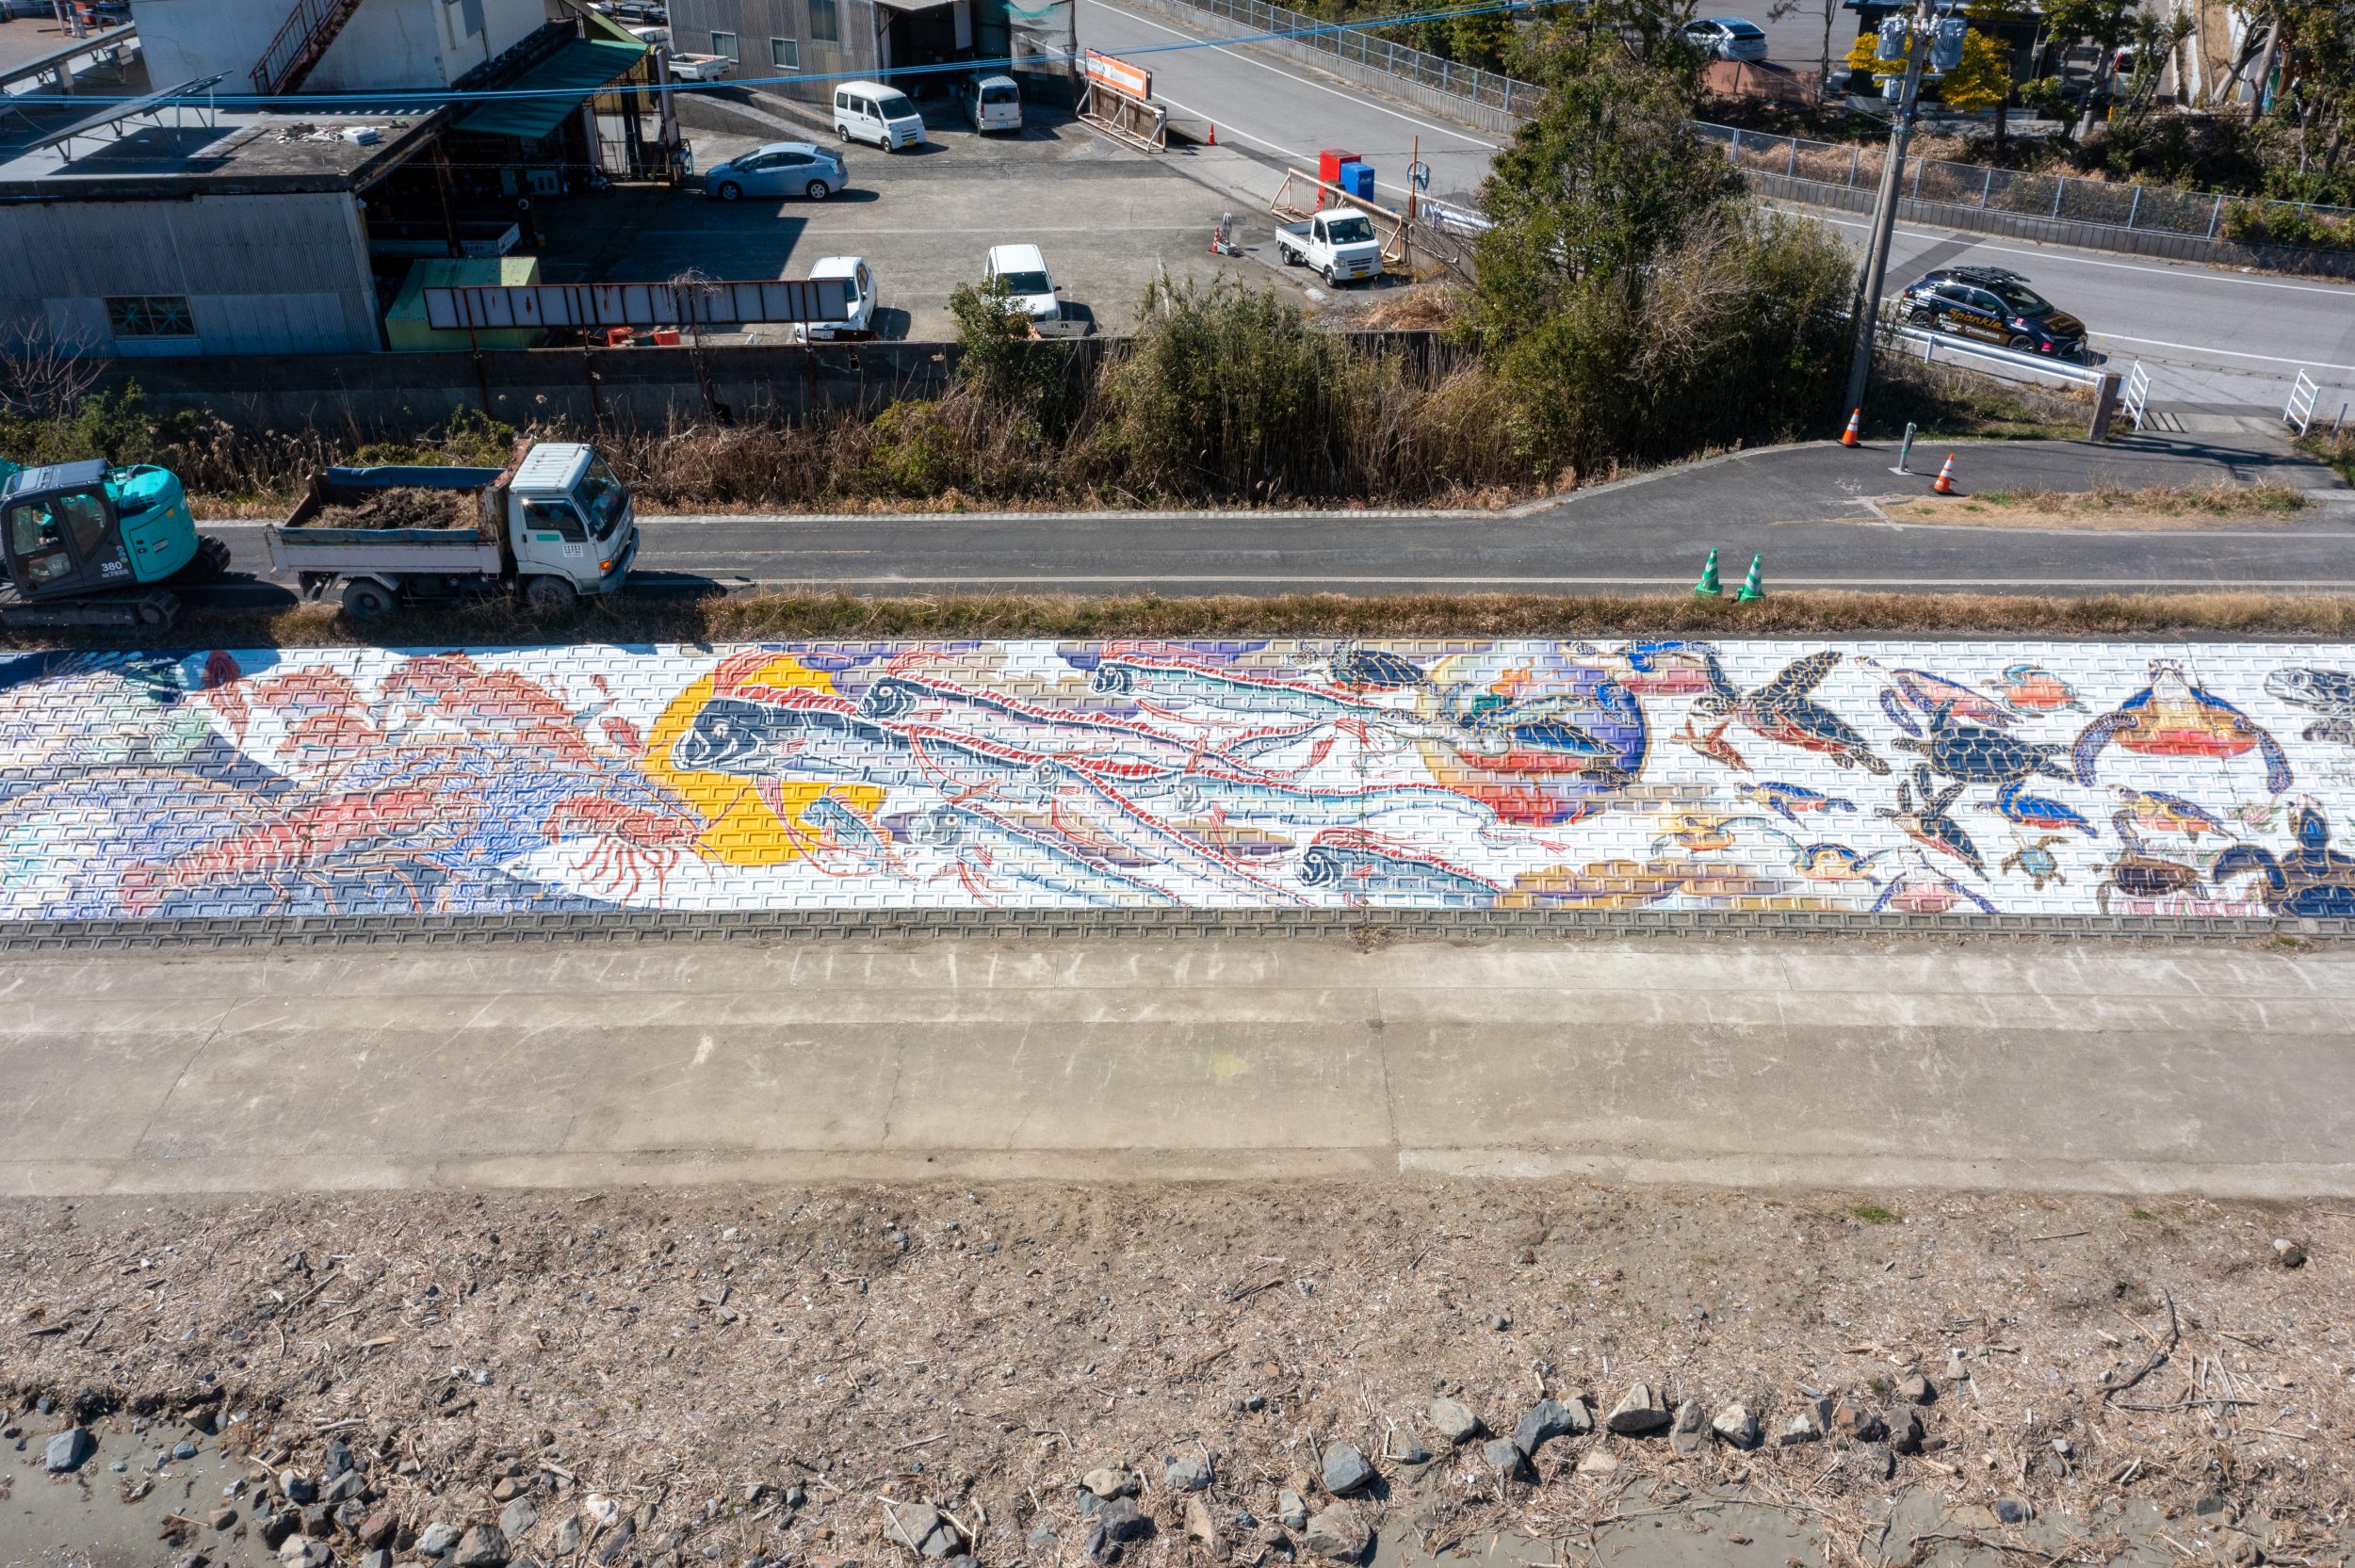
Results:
[1803, 507]
[2223, 1072]
[2228, 335]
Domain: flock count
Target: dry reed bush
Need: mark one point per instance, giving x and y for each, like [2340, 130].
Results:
[786, 616]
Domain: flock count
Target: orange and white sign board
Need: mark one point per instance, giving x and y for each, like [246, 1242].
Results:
[1117, 74]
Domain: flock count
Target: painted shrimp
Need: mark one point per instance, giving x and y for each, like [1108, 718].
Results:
[629, 846]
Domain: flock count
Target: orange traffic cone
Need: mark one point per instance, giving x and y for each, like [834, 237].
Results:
[1944, 483]
[1213, 141]
[1848, 437]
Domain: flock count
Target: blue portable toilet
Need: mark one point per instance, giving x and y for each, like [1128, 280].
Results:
[1357, 177]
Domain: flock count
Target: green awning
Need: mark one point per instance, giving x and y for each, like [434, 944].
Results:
[560, 84]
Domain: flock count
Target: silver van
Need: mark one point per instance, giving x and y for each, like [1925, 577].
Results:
[993, 103]
[870, 111]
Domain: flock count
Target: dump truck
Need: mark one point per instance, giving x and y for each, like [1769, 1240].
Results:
[93, 545]
[552, 525]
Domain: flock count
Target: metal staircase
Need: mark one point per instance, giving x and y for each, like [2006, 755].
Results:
[304, 37]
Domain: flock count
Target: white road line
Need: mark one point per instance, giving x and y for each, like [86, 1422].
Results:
[2228, 353]
[1313, 580]
[2066, 255]
[1357, 99]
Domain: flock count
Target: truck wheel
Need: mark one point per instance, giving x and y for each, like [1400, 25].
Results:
[366, 601]
[549, 593]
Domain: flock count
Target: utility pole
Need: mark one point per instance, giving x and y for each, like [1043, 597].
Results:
[1866, 317]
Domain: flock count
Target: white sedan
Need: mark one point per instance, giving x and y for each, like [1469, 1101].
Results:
[1728, 38]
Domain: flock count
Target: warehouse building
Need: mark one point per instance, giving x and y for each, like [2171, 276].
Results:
[826, 41]
[164, 227]
[172, 231]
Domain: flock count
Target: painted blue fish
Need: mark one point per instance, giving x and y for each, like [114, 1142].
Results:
[1787, 800]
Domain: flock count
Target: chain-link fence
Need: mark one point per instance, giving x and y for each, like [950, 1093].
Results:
[2060, 196]
[1356, 44]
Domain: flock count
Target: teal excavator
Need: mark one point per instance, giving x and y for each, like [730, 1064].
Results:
[91, 544]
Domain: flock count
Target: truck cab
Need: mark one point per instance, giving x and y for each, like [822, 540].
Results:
[570, 517]
[1341, 243]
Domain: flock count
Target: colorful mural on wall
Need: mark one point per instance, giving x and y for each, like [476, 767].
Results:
[1941, 777]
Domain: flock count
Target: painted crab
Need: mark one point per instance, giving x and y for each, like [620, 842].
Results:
[2173, 717]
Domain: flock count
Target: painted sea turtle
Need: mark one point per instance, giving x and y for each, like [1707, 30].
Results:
[2137, 873]
[2030, 688]
[1927, 890]
[2313, 880]
[1821, 862]
[1781, 710]
[1789, 801]
[1925, 820]
[1976, 754]
[2170, 813]
[2018, 807]
[2173, 717]
[2036, 860]
[2327, 693]
[1926, 694]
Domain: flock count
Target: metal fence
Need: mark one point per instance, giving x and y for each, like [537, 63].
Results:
[2152, 209]
[1357, 44]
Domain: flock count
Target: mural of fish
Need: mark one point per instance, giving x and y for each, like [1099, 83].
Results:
[1463, 773]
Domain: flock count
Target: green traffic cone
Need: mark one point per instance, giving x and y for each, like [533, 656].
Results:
[1706, 588]
[1751, 586]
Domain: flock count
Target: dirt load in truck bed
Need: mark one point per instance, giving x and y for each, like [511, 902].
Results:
[410, 506]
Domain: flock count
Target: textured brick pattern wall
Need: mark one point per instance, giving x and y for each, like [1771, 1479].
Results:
[2010, 777]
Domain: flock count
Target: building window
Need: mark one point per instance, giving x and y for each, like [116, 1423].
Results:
[785, 53]
[150, 316]
[724, 45]
[823, 25]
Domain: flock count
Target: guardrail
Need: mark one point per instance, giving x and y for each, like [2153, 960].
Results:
[2136, 399]
[2010, 365]
[2298, 412]
[1355, 44]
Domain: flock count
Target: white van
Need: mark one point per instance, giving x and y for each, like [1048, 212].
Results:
[870, 111]
[993, 103]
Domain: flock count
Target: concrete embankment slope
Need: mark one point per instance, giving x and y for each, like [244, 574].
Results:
[2038, 1065]
[1308, 791]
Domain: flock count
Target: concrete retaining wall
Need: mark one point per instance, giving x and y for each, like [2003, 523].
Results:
[395, 395]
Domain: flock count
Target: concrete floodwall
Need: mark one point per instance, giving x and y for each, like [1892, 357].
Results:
[393, 395]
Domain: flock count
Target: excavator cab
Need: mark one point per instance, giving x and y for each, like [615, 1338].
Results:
[90, 533]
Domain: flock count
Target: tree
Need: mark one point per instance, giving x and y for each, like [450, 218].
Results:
[1981, 80]
[2105, 23]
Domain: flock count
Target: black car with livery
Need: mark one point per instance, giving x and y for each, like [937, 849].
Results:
[1993, 306]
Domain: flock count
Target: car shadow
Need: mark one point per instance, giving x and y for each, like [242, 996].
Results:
[891, 322]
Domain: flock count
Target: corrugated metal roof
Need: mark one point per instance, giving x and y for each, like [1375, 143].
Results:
[563, 81]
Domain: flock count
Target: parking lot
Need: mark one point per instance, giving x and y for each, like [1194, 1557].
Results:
[1107, 218]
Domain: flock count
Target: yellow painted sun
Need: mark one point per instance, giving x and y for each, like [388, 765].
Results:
[747, 821]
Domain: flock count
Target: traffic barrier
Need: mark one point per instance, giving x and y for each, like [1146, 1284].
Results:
[1708, 586]
[1754, 585]
[1848, 436]
[1944, 483]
